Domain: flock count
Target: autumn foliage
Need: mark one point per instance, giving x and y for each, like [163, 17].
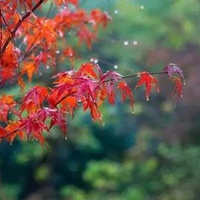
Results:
[29, 42]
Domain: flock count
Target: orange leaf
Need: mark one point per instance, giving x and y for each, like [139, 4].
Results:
[69, 104]
[30, 68]
[88, 70]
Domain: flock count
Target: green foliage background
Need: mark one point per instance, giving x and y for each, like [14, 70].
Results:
[152, 153]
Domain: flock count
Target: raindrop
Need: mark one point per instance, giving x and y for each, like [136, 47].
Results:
[47, 67]
[65, 7]
[57, 52]
[135, 42]
[126, 43]
[103, 124]
[91, 59]
[66, 138]
[115, 66]
[141, 7]
[40, 73]
[116, 12]
[79, 100]
[133, 112]
[22, 12]
[96, 61]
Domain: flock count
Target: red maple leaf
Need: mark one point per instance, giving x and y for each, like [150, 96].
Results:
[145, 78]
[34, 99]
[126, 92]
[178, 87]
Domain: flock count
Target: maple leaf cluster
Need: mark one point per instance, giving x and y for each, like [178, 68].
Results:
[29, 42]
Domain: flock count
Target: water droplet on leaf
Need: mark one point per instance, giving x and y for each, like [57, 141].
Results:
[141, 7]
[135, 42]
[116, 12]
[115, 66]
[126, 43]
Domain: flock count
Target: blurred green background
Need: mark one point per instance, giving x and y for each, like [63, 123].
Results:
[151, 154]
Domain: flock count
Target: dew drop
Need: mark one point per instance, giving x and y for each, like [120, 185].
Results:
[141, 7]
[115, 66]
[135, 42]
[126, 43]
[116, 12]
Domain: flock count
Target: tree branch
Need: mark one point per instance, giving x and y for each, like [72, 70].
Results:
[123, 77]
[28, 13]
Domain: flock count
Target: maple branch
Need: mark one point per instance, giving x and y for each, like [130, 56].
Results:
[28, 13]
[8, 134]
[64, 97]
[135, 75]
[152, 73]
[123, 77]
